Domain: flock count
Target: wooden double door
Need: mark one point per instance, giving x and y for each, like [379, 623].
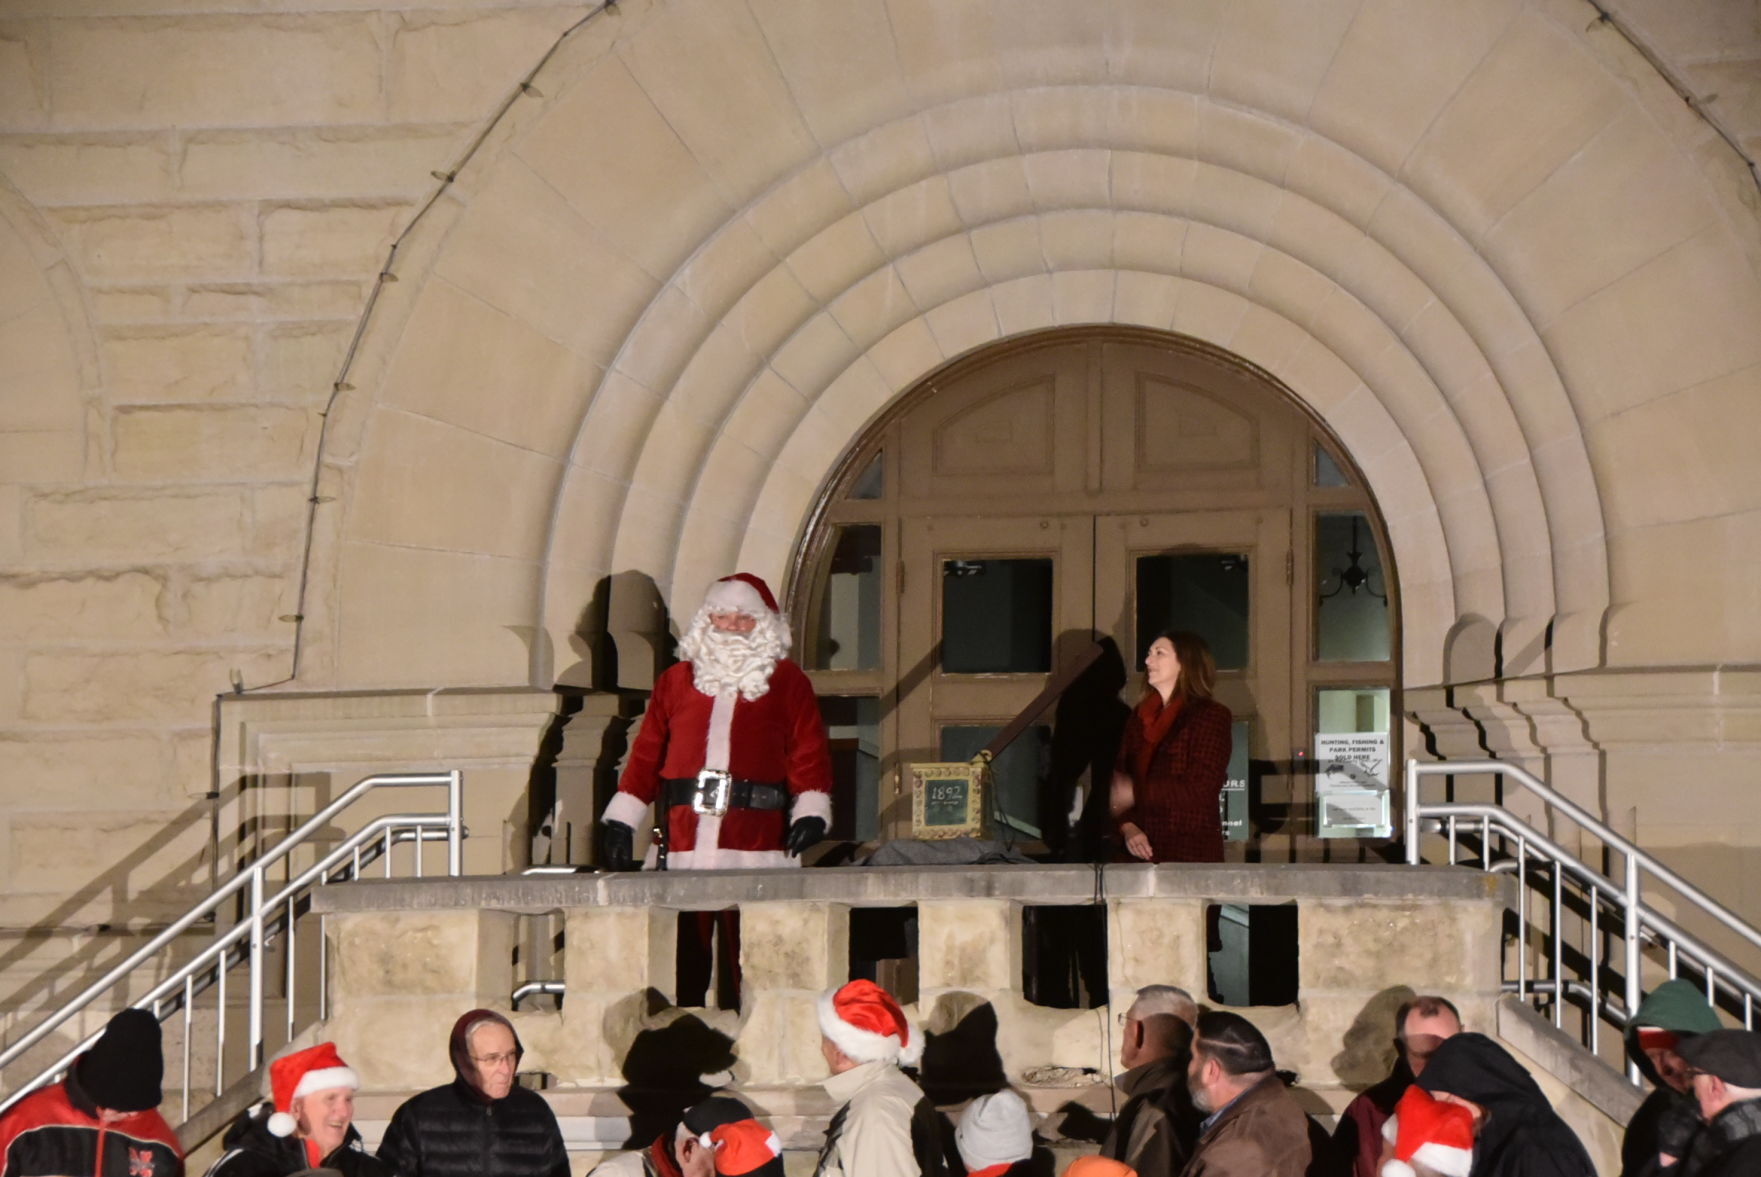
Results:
[1091, 486]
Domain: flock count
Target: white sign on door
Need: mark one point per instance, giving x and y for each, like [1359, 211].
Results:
[1351, 784]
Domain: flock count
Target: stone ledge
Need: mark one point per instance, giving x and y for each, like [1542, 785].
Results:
[885, 886]
[1603, 1087]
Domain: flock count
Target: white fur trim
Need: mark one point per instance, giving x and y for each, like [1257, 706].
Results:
[812, 803]
[715, 858]
[734, 596]
[625, 808]
[282, 1124]
[865, 1046]
[323, 1079]
[721, 728]
[1394, 1168]
[1449, 1161]
[1391, 1128]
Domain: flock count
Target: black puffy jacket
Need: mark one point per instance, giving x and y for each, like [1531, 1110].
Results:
[457, 1131]
[253, 1151]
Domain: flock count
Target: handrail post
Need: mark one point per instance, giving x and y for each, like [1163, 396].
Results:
[1411, 802]
[254, 1047]
[455, 824]
[1632, 929]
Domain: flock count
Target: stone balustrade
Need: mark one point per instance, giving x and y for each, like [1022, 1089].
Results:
[407, 958]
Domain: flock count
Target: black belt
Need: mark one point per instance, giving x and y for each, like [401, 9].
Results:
[703, 793]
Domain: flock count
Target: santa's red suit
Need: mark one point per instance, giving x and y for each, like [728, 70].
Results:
[761, 724]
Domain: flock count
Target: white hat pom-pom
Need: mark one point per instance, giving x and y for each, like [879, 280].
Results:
[1398, 1169]
[282, 1124]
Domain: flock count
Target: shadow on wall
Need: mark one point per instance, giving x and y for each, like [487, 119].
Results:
[960, 1057]
[86, 961]
[1369, 1050]
[664, 1071]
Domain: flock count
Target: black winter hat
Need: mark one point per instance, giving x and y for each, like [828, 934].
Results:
[123, 1069]
[715, 1112]
[1732, 1055]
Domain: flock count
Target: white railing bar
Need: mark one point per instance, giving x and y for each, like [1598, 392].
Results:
[1595, 955]
[237, 883]
[1558, 944]
[426, 827]
[1584, 818]
[1647, 918]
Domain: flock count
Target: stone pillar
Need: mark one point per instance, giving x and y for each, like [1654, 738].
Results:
[790, 953]
[398, 981]
[618, 962]
[593, 746]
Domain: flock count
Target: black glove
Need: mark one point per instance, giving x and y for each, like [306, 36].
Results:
[617, 843]
[804, 833]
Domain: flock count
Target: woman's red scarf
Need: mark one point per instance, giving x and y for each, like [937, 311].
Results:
[1155, 719]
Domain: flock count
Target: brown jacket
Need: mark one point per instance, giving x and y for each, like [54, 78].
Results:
[1262, 1134]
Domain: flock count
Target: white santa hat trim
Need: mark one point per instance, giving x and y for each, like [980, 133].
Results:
[1451, 1162]
[283, 1124]
[868, 1046]
[734, 595]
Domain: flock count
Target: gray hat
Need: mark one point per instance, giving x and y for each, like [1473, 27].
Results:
[995, 1129]
[1732, 1055]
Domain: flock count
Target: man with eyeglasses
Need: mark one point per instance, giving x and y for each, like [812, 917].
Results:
[1155, 1128]
[482, 1124]
[1725, 1068]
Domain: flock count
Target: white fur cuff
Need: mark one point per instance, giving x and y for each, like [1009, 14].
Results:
[626, 809]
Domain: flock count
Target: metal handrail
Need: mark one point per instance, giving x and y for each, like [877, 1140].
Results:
[256, 927]
[1641, 924]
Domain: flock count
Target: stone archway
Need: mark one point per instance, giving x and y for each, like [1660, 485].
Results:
[639, 345]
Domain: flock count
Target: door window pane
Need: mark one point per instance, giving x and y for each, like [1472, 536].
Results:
[1351, 598]
[1205, 592]
[852, 727]
[997, 616]
[871, 483]
[1353, 748]
[848, 634]
[1017, 775]
[1327, 471]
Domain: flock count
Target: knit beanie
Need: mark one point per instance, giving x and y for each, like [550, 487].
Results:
[123, 1069]
[1093, 1166]
[995, 1129]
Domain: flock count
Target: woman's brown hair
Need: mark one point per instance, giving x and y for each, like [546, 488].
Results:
[1198, 670]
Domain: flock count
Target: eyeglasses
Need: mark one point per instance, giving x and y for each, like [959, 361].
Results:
[1124, 1018]
[496, 1060]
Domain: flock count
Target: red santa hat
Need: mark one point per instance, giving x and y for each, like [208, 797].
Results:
[864, 1022]
[1430, 1132]
[740, 593]
[744, 1147]
[317, 1068]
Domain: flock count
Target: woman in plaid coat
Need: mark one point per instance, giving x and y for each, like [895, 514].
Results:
[1168, 780]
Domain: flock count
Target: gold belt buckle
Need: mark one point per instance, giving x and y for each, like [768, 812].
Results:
[710, 798]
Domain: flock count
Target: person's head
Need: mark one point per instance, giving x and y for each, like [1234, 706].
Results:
[1660, 1050]
[861, 1023]
[1430, 1137]
[1726, 1068]
[1179, 665]
[313, 1092]
[1229, 1055]
[122, 1071]
[1478, 1074]
[1670, 1014]
[995, 1129]
[1420, 1027]
[695, 1157]
[736, 637]
[1157, 1026]
[1097, 1166]
[485, 1052]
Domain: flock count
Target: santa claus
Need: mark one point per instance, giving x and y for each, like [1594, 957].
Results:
[732, 746]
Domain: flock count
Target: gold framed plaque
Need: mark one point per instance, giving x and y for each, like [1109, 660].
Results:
[947, 800]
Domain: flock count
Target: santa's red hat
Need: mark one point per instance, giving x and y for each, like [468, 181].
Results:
[740, 593]
[744, 1148]
[864, 1022]
[317, 1068]
[1431, 1132]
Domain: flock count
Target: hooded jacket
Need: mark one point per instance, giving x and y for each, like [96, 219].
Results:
[1668, 1120]
[455, 1130]
[1521, 1135]
[56, 1132]
[253, 1151]
[1157, 1125]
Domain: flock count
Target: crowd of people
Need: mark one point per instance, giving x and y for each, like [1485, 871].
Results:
[1201, 1096]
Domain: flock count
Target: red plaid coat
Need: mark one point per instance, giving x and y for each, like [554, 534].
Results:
[1177, 807]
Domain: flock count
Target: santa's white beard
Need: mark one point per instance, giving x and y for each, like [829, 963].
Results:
[725, 663]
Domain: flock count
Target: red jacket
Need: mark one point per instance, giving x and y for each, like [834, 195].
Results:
[1178, 807]
[778, 738]
[49, 1134]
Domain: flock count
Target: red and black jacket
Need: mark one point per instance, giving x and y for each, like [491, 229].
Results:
[56, 1132]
